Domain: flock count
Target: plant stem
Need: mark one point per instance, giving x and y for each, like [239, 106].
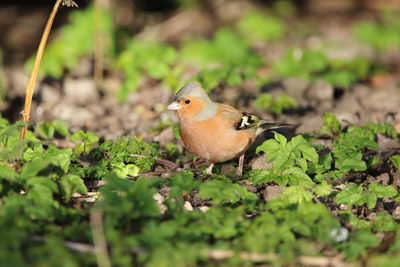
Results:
[99, 240]
[32, 80]
[99, 43]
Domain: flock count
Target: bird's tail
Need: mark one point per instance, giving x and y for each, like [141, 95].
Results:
[273, 125]
[264, 126]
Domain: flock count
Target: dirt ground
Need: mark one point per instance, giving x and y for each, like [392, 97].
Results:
[82, 104]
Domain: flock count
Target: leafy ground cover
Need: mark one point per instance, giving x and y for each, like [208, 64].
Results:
[102, 177]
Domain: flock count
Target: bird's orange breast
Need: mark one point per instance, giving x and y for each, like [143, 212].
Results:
[215, 139]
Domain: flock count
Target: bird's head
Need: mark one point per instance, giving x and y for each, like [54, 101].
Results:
[192, 102]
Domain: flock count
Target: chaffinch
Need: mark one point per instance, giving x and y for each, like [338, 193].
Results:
[214, 131]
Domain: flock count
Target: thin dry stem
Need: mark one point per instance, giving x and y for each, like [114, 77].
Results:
[100, 43]
[100, 244]
[33, 78]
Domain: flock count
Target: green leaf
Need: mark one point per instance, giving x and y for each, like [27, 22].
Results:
[297, 194]
[280, 139]
[43, 181]
[182, 182]
[31, 169]
[175, 130]
[298, 174]
[35, 153]
[223, 192]
[41, 194]
[384, 222]
[71, 184]
[7, 173]
[46, 130]
[260, 176]
[123, 170]
[382, 190]
[383, 128]
[280, 161]
[302, 162]
[327, 161]
[268, 147]
[322, 189]
[133, 199]
[60, 127]
[352, 195]
[359, 242]
[352, 164]
[172, 150]
[374, 161]
[13, 150]
[371, 199]
[86, 137]
[58, 157]
[308, 152]
[396, 161]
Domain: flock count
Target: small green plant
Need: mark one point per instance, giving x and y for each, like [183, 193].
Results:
[275, 104]
[381, 36]
[354, 195]
[49, 128]
[74, 41]
[256, 26]
[311, 65]
[348, 148]
[344, 73]
[289, 160]
[359, 242]
[216, 63]
[214, 51]
[87, 140]
[221, 191]
[151, 58]
[301, 63]
[332, 125]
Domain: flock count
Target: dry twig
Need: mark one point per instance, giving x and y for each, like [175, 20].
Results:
[99, 240]
[32, 79]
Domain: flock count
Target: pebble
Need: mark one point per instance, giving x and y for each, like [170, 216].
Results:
[320, 91]
[50, 94]
[260, 163]
[166, 136]
[228, 168]
[204, 208]
[273, 191]
[80, 91]
[187, 206]
[296, 88]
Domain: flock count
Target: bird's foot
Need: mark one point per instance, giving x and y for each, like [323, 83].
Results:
[239, 170]
[209, 169]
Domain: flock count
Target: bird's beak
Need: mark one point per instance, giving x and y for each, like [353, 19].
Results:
[174, 106]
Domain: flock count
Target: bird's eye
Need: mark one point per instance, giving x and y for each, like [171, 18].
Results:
[187, 101]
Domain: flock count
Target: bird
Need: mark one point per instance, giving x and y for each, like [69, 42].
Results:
[215, 131]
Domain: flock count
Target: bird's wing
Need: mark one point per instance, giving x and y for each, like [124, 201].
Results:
[238, 119]
[242, 120]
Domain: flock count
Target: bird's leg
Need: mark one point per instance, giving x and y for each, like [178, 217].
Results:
[209, 169]
[239, 170]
